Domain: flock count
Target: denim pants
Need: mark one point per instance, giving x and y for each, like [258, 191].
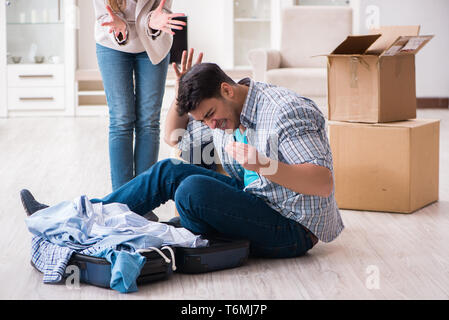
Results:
[209, 202]
[134, 90]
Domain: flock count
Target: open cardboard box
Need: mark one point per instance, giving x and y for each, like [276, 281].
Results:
[371, 78]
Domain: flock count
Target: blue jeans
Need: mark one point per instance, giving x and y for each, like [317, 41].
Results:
[209, 202]
[134, 90]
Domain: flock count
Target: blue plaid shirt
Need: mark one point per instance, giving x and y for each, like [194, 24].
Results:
[289, 128]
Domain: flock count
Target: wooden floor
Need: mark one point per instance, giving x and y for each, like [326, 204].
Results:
[378, 255]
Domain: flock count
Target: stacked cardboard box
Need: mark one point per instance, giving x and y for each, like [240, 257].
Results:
[384, 158]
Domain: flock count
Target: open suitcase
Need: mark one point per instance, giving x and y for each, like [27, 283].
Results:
[97, 271]
[222, 253]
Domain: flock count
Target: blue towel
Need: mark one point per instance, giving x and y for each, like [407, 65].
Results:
[125, 268]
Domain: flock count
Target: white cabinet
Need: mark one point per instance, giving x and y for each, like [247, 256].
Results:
[254, 24]
[252, 28]
[35, 75]
[33, 99]
[37, 61]
[35, 87]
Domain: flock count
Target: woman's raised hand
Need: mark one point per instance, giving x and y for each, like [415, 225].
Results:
[116, 24]
[186, 63]
[163, 21]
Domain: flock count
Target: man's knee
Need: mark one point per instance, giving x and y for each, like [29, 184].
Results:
[191, 192]
[163, 172]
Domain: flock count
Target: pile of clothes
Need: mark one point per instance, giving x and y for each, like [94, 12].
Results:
[109, 231]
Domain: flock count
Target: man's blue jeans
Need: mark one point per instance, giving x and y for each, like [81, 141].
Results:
[209, 202]
[134, 90]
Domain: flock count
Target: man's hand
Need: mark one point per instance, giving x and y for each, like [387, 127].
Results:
[160, 20]
[305, 178]
[247, 156]
[116, 25]
[186, 64]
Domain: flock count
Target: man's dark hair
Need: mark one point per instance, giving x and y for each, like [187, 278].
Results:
[202, 81]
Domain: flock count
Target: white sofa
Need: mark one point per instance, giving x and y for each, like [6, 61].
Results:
[307, 32]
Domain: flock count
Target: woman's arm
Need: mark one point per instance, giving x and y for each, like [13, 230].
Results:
[162, 20]
[117, 26]
[110, 24]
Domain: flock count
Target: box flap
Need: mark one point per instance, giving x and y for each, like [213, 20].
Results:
[407, 45]
[389, 35]
[356, 44]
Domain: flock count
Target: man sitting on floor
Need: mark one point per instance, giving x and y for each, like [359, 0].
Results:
[271, 141]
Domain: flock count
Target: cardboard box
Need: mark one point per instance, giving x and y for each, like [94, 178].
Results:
[390, 167]
[371, 78]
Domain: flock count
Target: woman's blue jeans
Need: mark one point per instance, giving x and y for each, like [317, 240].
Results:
[134, 90]
[209, 202]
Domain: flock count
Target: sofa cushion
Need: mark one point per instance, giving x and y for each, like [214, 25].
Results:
[308, 82]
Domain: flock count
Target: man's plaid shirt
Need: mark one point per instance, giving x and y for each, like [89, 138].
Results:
[287, 127]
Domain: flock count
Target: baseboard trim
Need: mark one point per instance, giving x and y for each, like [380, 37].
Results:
[433, 103]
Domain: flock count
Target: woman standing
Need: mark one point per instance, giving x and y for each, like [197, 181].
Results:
[133, 41]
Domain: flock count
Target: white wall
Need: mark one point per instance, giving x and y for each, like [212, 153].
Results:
[432, 65]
